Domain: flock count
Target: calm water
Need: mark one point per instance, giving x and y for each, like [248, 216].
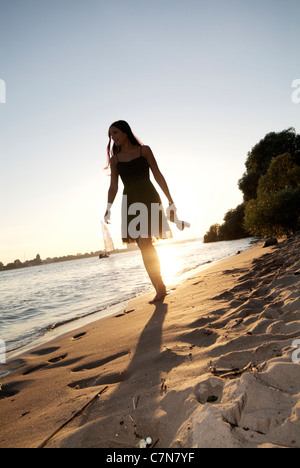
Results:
[35, 301]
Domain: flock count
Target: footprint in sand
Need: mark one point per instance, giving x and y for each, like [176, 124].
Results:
[11, 389]
[79, 336]
[57, 359]
[100, 363]
[45, 364]
[100, 380]
[198, 282]
[34, 369]
[44, 352]
[108, 379]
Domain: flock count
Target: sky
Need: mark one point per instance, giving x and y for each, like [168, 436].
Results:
[200, 82]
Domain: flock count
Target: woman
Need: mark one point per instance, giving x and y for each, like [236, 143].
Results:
[130, 160]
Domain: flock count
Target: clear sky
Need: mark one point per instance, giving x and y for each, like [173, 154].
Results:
[200, 82]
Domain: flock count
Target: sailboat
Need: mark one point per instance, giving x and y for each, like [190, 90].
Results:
[108, 242]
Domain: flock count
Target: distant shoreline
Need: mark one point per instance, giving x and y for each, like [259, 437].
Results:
[17, 264]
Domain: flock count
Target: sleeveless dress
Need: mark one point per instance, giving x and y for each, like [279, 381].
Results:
[142, 211]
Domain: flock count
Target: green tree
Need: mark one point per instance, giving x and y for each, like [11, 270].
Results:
[276, 210]
[232, 228]
[213, 234]
[261, 155]
[270, 187]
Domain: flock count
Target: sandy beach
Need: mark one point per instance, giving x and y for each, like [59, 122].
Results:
[212, 366]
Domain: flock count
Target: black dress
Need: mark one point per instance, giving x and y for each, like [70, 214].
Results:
[142, 211]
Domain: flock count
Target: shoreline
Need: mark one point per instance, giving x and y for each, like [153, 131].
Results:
[159, 368]
[58, 329]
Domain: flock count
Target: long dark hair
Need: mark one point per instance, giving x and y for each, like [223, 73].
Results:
[125, 128]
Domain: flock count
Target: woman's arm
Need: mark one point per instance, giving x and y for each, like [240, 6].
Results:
[113, 189]
[147, 153]
[114, 181]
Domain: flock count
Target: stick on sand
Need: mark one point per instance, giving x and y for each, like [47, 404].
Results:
[72, 418]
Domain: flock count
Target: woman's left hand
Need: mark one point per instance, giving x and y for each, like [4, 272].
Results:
[107, 217]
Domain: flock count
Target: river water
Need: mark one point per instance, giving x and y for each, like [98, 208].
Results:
[37, 301]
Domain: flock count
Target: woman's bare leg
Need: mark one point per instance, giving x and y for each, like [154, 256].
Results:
[152, 265]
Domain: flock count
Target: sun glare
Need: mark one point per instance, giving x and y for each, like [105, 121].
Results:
[170, 263]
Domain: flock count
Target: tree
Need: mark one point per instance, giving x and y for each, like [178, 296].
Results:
[37, 260]
[232, 228]
[261, 155]
[213, 234]
[270, 187]
[276, 210]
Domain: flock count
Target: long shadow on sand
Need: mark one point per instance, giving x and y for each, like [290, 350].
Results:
[138, 386]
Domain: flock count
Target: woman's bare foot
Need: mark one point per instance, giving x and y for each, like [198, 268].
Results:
[160, 295]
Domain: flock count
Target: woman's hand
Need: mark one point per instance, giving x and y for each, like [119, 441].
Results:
[172, 216]
[171, 212]
[107, 214]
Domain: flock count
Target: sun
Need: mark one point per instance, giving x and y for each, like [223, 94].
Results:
[170, 263]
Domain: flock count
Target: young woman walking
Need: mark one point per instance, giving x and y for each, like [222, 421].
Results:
[132, 161]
